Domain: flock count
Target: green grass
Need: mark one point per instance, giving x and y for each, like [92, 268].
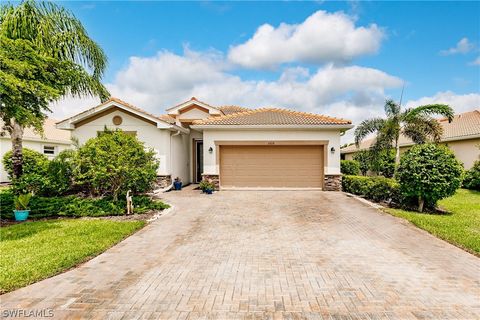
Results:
[33, 251]
[460, 227]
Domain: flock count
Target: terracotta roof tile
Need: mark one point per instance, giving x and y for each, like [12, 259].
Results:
[463, 125]
[232, 109]
[272, 116]
[113, 99]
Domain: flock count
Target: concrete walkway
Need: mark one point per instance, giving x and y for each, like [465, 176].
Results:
[267, 255]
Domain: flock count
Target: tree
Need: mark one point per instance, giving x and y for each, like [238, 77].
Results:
[45, 53]
[416, 123]
[429, 172]
[113, 163]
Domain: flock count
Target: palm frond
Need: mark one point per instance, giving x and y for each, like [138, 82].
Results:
[423, 129]
[427, 111]
[367, 127]
[392, 109]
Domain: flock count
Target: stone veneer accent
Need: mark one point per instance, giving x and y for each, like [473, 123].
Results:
[215, 178]
[333, 182]
[163, 181]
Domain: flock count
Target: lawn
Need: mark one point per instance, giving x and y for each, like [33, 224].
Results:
[460, 227]
[33, 251]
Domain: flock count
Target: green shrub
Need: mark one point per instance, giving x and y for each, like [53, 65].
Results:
[363, 159]
[429, 172]
[373, 188]
[472, 177]
[60, 174]
[206, 185]
[73, 206]
[34, 177]
[113, 163]
[379, 162]
[350, 167]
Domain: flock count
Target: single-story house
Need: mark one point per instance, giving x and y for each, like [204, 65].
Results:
[235, 147]
[53, 141]
[462, 136]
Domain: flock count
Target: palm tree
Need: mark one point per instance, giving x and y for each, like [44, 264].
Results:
[416, 123]
[55, 33]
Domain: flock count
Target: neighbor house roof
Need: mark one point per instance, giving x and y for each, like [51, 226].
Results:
[50, 133]
[463, 126]
[272, 116]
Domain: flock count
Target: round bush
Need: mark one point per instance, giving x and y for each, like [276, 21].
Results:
[350, 167]
[113, 163]
[472, 177]
[34, 176]
[429, 173]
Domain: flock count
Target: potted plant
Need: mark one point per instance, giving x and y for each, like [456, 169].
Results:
[21, 206]
[209, 188]
[177, 184]
[203, 185]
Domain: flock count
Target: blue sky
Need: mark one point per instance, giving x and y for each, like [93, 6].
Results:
[405, 42]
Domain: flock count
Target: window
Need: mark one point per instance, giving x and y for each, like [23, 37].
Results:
[49, 150]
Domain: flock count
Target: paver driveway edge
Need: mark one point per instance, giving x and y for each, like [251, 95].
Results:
[267, 255]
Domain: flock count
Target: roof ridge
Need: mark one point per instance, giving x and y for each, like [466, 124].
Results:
[226, 117]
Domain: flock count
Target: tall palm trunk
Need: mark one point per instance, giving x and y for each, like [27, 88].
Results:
[397, 153]
[17, 156]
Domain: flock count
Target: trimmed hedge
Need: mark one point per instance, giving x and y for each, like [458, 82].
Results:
[349, 167]
[73, 206]
[472, 177]
[373, 188]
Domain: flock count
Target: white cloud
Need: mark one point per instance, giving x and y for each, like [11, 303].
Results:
[475, 62]
[322, 37]
[69, 106]
[463, 46]
[156, 83]
[459, 102]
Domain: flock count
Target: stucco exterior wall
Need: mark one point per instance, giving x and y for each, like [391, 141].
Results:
[210, 136]
[37, 145]
[467, 151]
[153, 137]
[180, 158]
[193, 114]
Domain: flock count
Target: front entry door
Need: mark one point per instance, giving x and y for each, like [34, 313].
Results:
[198, 160]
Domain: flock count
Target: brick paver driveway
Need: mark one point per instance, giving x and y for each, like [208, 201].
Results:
[267, 255]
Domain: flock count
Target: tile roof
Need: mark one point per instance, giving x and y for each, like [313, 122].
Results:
[50, 132]
[191, 99]
[113, 99]
[272, 116]
[463, 125]
[232, 109]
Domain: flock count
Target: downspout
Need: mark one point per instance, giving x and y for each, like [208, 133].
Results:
[171, 165]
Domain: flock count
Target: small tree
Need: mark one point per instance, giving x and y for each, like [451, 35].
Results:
[429, 172]
[363, 159]
[349, 167]
[113, 163]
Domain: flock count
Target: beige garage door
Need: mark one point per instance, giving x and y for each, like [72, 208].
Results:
[271, 166]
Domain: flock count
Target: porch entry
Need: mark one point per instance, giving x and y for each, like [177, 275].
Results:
[197, 160]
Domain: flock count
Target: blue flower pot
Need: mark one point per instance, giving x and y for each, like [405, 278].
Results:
[177, 185]
[21, 215]
[208, 191]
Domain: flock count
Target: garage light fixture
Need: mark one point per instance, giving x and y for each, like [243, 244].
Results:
[210, 150]
[332, 150]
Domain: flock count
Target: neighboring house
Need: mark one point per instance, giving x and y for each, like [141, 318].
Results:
[53, 141]
[233, 146]
[462, 136]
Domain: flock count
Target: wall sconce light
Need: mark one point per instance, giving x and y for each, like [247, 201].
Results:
[210, 150]
[332, 150]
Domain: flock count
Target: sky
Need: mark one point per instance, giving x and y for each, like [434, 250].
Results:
[337, 58]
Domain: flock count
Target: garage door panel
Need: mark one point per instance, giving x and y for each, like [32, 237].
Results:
[271, 166]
